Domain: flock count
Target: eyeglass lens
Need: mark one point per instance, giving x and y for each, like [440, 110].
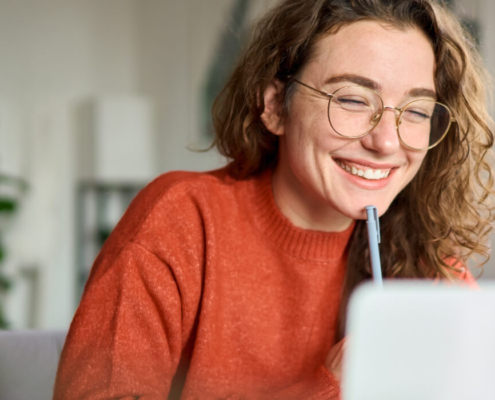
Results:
[355, 111]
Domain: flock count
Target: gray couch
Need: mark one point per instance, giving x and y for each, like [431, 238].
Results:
[28, 363]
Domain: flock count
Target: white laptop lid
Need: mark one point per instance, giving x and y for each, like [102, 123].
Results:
[420, 341]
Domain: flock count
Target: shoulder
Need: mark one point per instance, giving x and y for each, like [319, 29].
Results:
[192, 178]
[180, 187]
[167, 217]
[177, 183]
[184, 193]
[173, 204]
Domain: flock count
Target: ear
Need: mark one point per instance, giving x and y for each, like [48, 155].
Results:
[272, 116]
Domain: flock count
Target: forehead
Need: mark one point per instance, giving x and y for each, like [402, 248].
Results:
[397, 59]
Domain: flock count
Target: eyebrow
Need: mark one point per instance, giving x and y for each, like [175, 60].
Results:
[422, 92]
[357, 79]
[371, 84]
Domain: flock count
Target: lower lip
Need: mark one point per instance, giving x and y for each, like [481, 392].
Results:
[369, 184]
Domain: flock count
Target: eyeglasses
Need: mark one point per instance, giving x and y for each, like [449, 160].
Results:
[354, 111]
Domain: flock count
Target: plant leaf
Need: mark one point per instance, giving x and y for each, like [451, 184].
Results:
[8, 205]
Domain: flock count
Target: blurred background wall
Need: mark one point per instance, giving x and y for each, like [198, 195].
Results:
[97, 97]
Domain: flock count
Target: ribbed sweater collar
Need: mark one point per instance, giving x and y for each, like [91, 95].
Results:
[300, 243]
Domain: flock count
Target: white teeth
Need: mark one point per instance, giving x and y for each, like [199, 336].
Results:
[368, 174]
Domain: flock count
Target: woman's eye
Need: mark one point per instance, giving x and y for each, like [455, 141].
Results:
[417, 114]
[353, 102]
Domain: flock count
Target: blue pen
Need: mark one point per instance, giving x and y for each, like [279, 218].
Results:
[373, 225]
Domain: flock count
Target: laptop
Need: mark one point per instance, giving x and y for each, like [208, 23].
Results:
[420, 341]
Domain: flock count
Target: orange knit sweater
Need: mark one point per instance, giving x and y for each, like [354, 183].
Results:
[205, 286]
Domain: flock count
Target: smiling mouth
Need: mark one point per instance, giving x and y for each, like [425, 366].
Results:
[364, 172]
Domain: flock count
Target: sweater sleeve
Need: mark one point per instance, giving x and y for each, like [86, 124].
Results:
[127, 336]
[140, 303]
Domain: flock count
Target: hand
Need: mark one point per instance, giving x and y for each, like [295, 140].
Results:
[334, 359]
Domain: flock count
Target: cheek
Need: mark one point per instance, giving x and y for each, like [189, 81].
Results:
[415, 162]
[300, 136]
[332, 142]
[309, 136]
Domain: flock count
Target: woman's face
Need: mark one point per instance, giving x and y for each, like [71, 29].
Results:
[311, 184]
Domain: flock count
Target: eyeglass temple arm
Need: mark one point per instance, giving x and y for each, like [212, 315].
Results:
[315, 90]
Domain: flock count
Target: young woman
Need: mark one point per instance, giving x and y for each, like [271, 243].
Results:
[233, 284]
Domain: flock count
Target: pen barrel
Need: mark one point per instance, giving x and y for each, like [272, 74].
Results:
[376, 268]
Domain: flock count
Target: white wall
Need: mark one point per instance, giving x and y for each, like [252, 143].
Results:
[177, 39]
[55, 53]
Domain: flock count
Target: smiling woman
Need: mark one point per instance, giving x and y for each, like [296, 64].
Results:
[436, 205]
[234, 283]
[308, 180]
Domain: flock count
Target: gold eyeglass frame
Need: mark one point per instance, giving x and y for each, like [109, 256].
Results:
[397, 119]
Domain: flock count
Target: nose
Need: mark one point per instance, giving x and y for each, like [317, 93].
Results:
[384, 139]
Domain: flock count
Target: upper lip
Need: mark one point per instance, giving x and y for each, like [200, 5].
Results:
[366, 163]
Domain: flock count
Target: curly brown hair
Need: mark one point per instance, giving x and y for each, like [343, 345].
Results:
[445, 213]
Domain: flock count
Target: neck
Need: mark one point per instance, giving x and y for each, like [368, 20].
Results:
[302, 208]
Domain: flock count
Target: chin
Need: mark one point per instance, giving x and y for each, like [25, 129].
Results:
[358, 211]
